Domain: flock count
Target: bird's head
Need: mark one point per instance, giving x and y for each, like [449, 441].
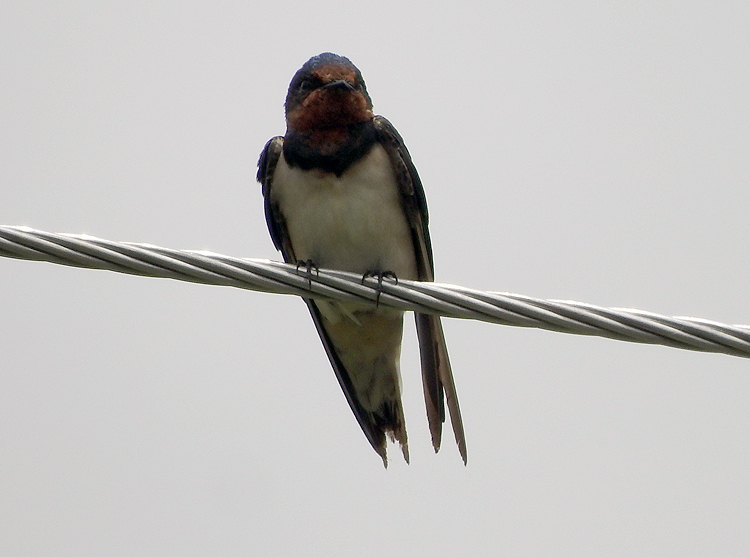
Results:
[327, 92]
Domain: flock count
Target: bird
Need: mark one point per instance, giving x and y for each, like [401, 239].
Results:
[341, 192]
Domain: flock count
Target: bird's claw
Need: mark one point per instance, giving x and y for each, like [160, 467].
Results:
[380, 276]
[309, 266]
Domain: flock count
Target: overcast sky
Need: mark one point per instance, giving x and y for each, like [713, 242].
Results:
[594, 151]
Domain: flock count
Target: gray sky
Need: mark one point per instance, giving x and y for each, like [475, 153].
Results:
[590, 151]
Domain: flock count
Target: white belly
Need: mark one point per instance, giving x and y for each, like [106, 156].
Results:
[354, 222]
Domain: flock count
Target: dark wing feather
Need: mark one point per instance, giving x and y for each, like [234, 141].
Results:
[437, 376]
[280, 236]
[375, 434]
[269, 158]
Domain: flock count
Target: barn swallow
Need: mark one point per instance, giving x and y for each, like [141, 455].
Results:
[341, 192]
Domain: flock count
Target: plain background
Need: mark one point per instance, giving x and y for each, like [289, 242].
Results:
[586, 150]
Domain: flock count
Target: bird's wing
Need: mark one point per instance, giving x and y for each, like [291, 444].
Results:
[280, 236]
[437, 376]
[267, 162]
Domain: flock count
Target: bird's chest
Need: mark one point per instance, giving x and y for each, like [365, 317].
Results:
[353, 222]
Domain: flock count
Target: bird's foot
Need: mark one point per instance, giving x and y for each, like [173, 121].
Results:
[380, 276]
[309, 266]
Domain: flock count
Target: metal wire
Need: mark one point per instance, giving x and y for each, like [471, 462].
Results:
[426, 297]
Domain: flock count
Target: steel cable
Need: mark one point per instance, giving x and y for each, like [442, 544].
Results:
[444, 299]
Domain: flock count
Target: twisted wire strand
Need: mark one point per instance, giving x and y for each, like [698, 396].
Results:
[426, 297]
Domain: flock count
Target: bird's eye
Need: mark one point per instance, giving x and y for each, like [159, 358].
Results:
[305, 85]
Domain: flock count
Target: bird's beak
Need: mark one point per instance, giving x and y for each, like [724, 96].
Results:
[339, 85]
